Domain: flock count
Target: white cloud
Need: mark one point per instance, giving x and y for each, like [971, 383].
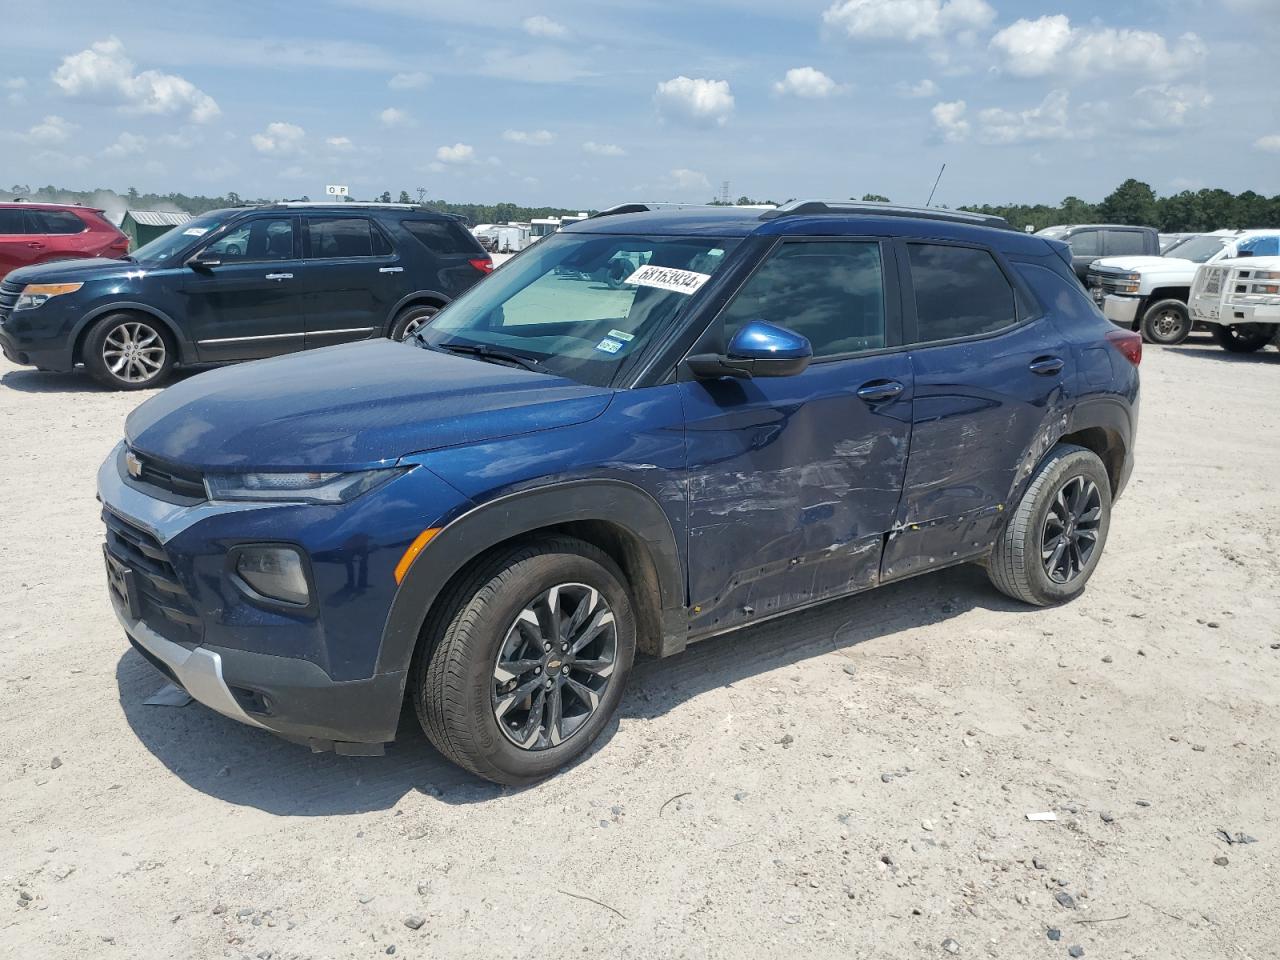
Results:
[409, 81]
[683, 179]
[603, 149]
[393, 117]
[104, 74]
[532, 138]
[808, 83]
[16, 83]
[1270, 143]
[1050, 45]
[906, 19]
[458, 153]
[540, 26]
[15, 87]
[924, 88]
[126, 145]
[1047, 121]
[51, 130]
[279, 138]
[1168, 106]
[340, 143]
[949, 118]
[695, 101]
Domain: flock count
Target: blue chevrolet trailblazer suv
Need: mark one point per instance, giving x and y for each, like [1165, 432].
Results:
[657, 426]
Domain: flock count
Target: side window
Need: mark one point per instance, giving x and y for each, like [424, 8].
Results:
[265, 239]
[1253, 247]
[11, 222]
[830, 291]
[960, 292]
[1086, 243]
[55, 221]
[441, 236]
[342, 237]
[1123, 243]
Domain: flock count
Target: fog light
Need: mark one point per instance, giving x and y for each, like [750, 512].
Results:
[276, 573]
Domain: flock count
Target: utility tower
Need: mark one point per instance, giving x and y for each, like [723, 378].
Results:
[724, 192]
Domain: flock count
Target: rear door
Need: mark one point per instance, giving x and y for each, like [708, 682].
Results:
[449, 256]
[793, 481]
[991, 375]
[250, 304]
[353, 278]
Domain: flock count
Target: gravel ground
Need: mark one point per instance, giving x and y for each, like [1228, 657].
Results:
[850, 782]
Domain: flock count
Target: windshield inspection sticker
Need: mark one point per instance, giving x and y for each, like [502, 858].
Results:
[609, 346]
[668, 278]
[195, 231]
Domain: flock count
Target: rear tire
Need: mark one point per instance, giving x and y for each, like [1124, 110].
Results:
[487, 698]
[1167, 323]
[411, 319]
[1067, 503]
[129, 351]
[1241, 339]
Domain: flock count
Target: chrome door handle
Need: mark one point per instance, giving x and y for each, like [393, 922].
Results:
[880, 390]
[279, 276]
[1047, 366]
[391, 269]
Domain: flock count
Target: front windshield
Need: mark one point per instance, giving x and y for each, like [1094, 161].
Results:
[1197, 249]
[581, 304]
[176, 240]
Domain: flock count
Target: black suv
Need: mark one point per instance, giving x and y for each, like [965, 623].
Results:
[241, 284]
[1093, 241]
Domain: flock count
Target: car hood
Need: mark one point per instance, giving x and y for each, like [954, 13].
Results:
[350, 407]
[69, 271]
[1138, 264]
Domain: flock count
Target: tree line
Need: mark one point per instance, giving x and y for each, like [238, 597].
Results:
[1133, 202]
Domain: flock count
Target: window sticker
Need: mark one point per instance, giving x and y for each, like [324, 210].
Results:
[622, 335]
[609, 346]
[668, 278]
[195, 231]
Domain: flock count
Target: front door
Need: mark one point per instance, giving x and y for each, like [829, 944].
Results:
[352, 277]
[990, 399]
[19, 244]
[250, 304]
[794, 481]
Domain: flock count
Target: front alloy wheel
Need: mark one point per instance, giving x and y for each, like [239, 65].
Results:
[127, 351]
[554, 666]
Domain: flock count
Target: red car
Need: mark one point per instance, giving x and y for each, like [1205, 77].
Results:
[33, 233]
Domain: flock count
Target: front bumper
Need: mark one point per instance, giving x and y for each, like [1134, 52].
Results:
[1120, 310]
[1233, 313]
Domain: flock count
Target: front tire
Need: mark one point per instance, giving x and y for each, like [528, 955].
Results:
[1242, 339]
[127, 351]
[1167, 323]
[411, 320]
[529, 653]
[1054, 538]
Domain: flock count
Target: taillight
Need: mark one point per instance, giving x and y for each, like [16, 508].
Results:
[120, 243]
[1128, 343]
[483, 264]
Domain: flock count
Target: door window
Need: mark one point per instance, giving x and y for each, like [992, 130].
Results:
[11, 222]
[54, 221]
[832, 292]
[1086, 243]
[340, 238]
[1123, 243]
[265, 239]
[960, 292]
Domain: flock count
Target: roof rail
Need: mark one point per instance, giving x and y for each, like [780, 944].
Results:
[647, 206]
[810, 208]
[345, 203]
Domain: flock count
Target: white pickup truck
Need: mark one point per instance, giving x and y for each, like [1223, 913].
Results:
[1151, 294]
[1239, 300]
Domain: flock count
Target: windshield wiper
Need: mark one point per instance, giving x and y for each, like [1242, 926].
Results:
[482, 351]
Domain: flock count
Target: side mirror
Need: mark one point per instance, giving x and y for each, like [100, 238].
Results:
[204, 261]
[758, 349]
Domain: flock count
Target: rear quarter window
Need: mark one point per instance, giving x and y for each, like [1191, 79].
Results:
[443, 237]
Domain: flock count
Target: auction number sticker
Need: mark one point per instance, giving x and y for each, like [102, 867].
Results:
[195, 231]
[668, 278]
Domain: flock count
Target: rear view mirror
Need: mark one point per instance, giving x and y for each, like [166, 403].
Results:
[758, 349]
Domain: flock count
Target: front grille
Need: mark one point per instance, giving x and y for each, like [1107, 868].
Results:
[9, 293]
[165, 605]
[174, 479]
[1107, 282]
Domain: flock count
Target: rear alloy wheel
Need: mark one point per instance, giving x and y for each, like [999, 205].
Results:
[1166, 323]
[411, 320]
[1054, 537]
[525, 659]
[1244, 338]
[129, 352]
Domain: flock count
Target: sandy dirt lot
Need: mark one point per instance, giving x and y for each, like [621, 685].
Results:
[852, 782]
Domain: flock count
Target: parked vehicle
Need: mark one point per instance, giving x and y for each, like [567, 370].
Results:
[32, 233]
[239, 285]
[1092, 241]
[1168, 240]
[775, 410]
[1150, 294]
[540, 227]
[1239, 301]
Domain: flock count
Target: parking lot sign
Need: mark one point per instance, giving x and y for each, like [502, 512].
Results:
[336, 189]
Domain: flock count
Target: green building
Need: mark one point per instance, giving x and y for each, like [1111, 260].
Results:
[143, 226]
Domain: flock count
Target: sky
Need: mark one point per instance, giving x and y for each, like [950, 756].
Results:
[580, 103]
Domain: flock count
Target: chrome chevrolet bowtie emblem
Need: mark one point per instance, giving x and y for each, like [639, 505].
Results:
[132, 464]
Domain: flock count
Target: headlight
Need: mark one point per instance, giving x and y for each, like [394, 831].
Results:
[273, 572]
[35, 294]
[296, 487]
